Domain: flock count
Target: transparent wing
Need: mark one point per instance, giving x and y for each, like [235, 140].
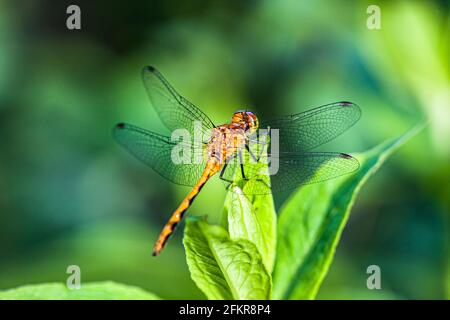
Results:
[313, 167]
[290, 170]
[155, 150]
[174, 110]
[307, 130]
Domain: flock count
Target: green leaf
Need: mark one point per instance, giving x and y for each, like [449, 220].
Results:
[253, 218]
[223, 268]
[311, 223]
[89, 291]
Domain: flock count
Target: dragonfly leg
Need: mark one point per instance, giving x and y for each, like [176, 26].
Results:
[256, 159]
[222, 172]
[251, 153]
[259, 142]
[242, 164]
[263, 142]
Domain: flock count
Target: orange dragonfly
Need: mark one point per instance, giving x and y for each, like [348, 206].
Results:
[224, 148]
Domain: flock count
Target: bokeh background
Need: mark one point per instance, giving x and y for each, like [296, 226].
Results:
[70, 195]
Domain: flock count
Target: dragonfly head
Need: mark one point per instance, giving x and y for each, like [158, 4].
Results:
[246, 118]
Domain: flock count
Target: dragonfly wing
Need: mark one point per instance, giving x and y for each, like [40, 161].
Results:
[156, 151]
[307, 130]
[291, 170]
[312, 167]
[174, 110]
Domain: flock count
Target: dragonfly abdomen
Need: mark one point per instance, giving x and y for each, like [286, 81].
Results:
[212, 167]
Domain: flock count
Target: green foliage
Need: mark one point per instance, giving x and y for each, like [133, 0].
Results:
[254, 220]
[91, 291]
[235, 264]
[235, 261]
[312, 221]
[224, 268]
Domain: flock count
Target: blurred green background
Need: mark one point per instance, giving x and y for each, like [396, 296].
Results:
[70, 195]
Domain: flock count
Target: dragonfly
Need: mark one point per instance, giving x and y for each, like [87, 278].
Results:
[223, 148]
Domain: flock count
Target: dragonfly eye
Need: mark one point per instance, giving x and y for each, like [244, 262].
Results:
[252, 120]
